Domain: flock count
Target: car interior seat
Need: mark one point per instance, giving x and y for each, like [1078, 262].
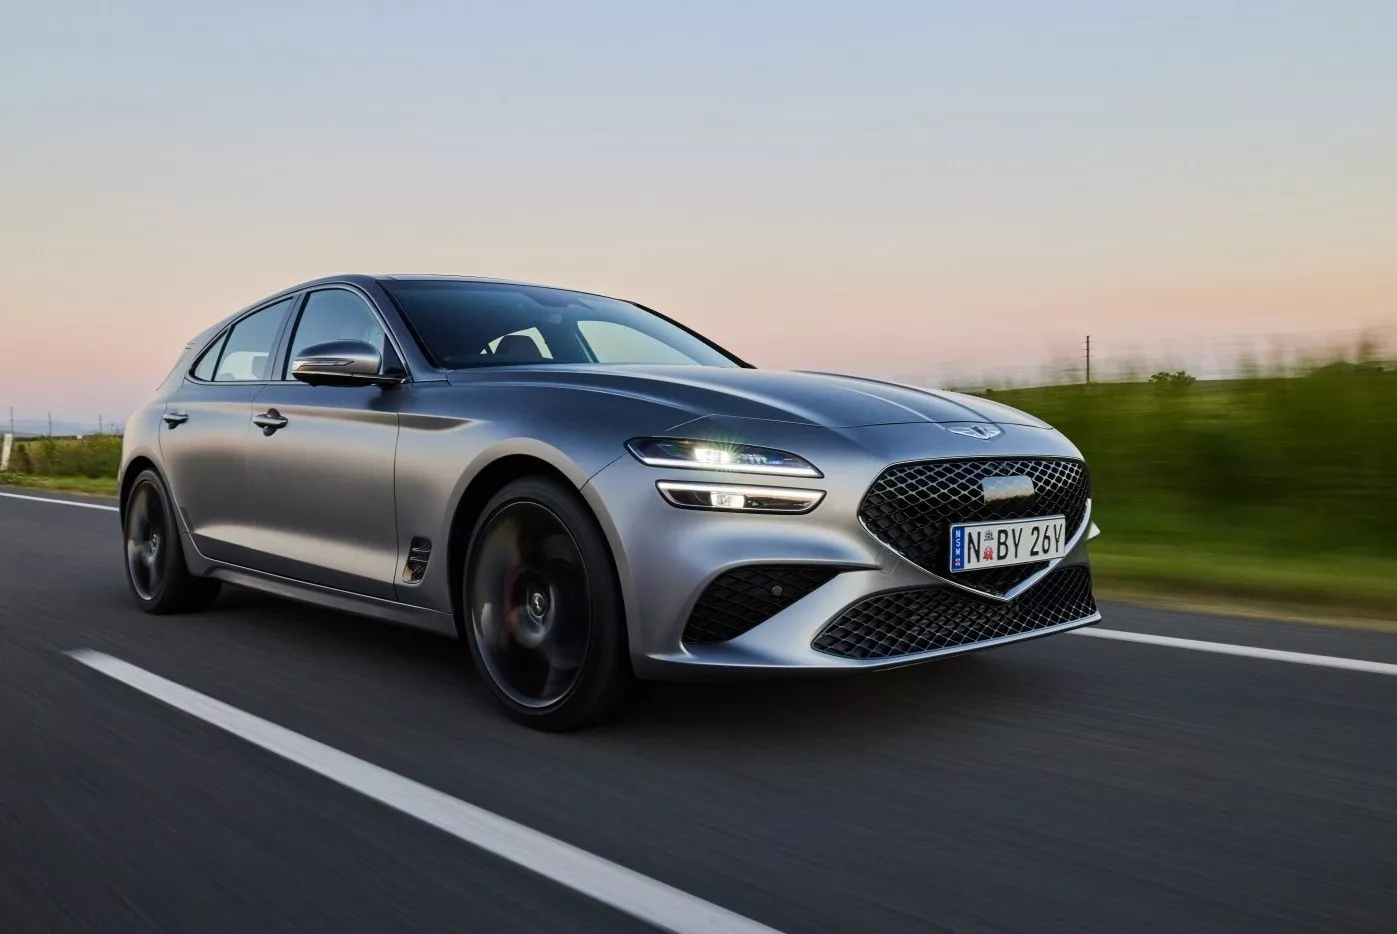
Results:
[518, 348]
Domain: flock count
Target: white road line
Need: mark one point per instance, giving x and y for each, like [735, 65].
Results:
[661, 905]
[61, 502]
[1250, 651]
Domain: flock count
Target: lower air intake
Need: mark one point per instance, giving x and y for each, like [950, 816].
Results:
[742, 598]
[909, 622]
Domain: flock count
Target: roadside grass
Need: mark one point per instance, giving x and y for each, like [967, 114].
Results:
[1276, 489]
[1316, 586]
[75, 465]
[92, 486]
[94, 456]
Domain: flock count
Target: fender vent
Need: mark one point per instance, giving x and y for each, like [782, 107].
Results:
[419, 552]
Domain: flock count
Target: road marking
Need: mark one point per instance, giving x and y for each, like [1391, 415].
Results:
[661, 905]
[61, 502]
[1251, 651]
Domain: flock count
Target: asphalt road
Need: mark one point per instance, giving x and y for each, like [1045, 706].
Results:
[1068, 784]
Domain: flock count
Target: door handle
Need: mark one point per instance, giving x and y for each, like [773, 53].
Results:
[269, 421]
[175, 419]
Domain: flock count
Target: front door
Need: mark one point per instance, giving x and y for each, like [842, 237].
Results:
[203, 438]
[320, 462]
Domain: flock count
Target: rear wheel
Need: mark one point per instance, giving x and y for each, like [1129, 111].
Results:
[543, 615]
[155, 569]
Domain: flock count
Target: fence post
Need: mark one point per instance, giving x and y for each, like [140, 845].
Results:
[5, 451]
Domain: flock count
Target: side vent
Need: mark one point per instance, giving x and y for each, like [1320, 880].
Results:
[419, 552]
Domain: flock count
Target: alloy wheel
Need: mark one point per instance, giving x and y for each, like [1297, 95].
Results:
[530, 604]
[147, 550]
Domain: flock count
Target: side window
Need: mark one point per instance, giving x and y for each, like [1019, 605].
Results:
[204, 368]
[336, 315]
[248, 349]
[618, 343]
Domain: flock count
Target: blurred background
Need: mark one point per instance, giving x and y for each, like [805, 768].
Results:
[946, 195]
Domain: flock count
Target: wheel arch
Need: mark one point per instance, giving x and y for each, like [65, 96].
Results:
[133, 469]
[488, 481]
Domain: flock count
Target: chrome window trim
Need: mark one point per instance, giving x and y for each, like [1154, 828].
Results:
[226, 329]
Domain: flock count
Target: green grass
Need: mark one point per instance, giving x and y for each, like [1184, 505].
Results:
[1273, 489]
[94, 456]
[75, 465]
[1362, 587]
[96, 486]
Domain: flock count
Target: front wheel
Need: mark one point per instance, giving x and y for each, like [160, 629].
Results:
[155, 569]
[543, 615]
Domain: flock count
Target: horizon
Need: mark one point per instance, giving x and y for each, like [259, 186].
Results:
[976, 190]
[1282, 361]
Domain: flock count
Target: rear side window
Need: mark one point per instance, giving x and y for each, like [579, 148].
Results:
[205, 367]
[247, 352]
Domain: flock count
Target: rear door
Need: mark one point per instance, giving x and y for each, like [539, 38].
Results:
[203, 439]
[320, 483]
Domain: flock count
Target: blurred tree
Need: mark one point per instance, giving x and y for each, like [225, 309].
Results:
[1177, 378]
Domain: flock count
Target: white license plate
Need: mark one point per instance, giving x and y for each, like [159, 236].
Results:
[976, 545]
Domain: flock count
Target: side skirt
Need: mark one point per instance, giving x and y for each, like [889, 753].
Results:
[342, 600]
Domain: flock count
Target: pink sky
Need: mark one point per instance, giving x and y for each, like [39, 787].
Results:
[898, 195]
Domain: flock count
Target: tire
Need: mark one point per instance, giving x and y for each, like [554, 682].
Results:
[156, 572]
[542, 610]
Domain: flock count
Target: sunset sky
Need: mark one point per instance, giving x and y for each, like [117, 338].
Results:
[893, 189]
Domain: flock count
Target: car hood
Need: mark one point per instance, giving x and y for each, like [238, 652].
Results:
[824, 399]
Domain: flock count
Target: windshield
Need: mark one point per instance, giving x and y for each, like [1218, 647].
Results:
[473, 324]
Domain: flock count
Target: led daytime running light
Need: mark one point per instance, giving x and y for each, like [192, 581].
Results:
[723, 497]
[693, 454]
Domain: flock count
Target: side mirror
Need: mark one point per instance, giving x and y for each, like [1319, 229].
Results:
[342, 363]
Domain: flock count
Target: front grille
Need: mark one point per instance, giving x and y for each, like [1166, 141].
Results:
[908, 622]
[740, 599]
[911, 507]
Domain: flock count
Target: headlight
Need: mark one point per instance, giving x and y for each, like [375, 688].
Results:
[717, 455]
[723, 496]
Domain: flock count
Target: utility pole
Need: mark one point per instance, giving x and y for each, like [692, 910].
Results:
[12, 419]
[1088, 359]
[99, 423]
[50, 424]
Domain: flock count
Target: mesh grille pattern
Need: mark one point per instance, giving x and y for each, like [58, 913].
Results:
[907, 622]
[740, 599]
[911, 507]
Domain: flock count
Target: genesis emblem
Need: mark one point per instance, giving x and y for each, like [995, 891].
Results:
[976, 430]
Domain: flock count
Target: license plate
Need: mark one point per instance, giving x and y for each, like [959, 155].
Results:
[976, 545]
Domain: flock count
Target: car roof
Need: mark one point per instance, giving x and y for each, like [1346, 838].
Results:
[456, 278]
[362, 279]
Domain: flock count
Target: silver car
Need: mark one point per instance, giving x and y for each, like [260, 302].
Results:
[590, 494]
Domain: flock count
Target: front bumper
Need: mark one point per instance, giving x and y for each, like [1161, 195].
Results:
[666, 557]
